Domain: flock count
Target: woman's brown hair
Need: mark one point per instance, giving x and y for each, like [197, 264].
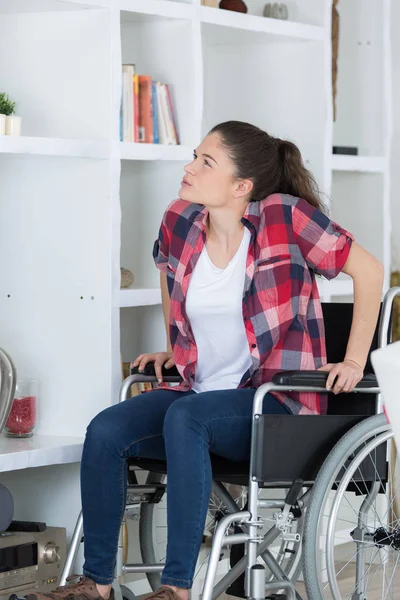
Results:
[272, 164]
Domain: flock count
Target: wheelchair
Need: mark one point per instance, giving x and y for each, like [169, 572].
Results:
[319, 497]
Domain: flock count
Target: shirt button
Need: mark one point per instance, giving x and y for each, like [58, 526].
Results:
[254, 345]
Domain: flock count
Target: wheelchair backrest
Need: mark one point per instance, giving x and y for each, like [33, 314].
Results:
[337, 320]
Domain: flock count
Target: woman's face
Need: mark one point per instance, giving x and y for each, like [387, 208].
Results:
[209, 179]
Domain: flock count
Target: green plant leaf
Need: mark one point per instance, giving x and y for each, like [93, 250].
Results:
[7, 106]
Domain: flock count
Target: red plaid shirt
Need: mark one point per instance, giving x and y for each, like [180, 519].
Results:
[290, 242]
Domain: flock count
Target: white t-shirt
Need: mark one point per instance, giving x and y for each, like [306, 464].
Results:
[214, 308]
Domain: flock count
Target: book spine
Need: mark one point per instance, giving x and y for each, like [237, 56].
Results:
[125, 110]
[172, 113]
[129, 71]
[155, 115]
[145, 110]
[168, 119]
[161, 121]
[136, 106]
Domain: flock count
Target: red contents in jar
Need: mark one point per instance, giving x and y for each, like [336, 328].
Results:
[22, 417]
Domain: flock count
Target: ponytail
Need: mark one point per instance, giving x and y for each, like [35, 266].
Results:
[273, 165]
[296, 180]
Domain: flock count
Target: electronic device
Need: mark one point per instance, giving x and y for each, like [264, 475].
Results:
[31, 561]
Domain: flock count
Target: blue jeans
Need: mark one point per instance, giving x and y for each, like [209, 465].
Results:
[184, 428]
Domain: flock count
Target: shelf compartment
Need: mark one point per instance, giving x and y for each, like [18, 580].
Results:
[145, 36]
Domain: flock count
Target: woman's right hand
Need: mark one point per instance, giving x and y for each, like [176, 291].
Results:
[160, 359]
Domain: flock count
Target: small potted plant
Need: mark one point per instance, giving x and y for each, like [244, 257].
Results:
[10, 124]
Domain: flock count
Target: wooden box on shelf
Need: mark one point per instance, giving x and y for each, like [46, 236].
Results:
[211, 3]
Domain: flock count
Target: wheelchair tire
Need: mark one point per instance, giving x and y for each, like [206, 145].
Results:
[322, 532]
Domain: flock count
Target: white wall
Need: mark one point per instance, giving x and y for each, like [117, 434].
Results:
[396, 137]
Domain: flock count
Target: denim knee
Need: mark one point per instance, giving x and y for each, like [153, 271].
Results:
[179, 420]
[99, 432]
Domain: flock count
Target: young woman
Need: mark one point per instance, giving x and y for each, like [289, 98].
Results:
[239, 252]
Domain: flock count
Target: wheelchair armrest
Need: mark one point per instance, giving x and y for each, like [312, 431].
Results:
[148, 374]
[317, 379]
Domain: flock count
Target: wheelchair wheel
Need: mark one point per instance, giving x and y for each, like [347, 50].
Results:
[153, 532]
[351, 545]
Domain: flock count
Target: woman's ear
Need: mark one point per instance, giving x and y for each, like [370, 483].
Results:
[243, 187]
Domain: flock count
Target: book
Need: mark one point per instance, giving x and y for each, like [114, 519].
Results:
[172, 113]
[146, 128]
[128, 117]
[166, 116]
[162, 131]
[136, 107]
[146, 110]
[155, 113]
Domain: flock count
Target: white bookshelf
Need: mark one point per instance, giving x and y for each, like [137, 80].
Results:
[87, 203]
[100, 201]
[38, 451]
[77, 204]
[360, 185]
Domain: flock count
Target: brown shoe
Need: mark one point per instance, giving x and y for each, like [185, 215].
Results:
[164, 593]
[84, 589]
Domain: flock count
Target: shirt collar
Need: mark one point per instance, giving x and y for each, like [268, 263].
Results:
[251, 214]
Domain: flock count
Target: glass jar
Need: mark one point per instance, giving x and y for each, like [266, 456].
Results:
[22, 418]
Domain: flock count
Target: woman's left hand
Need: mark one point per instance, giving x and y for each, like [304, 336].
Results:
[347, 374]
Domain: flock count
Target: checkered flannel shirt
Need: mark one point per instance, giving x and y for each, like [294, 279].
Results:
[291, 242]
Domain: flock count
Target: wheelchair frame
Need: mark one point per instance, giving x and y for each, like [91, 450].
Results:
[255, 585]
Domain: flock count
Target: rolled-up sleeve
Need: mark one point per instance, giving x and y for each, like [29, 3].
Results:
[324, 244]
[162, 244]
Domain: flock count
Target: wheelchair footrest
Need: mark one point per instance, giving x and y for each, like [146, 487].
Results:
[151, 494]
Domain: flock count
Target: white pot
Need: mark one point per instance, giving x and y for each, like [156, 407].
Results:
[13, 125]
[2, 124]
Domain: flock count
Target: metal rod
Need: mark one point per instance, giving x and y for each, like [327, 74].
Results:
[138, 568]
[360, 591]
[73, 550]
[134, 488]
[216, 550]
[240, 566]
[235, 538]
[257, 582]
[384, 324]
[384, 332]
